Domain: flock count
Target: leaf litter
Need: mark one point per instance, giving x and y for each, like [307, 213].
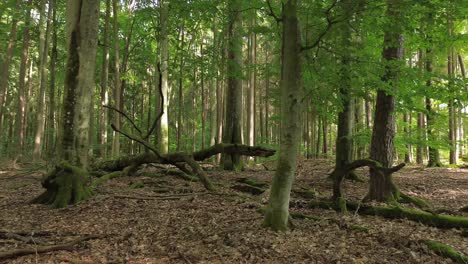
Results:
[138, 225]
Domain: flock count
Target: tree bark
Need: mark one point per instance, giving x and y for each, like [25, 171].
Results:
[163, 125]
[382, 145]
[277, 213]
[434, 156]
[232, 132]
[22, 99]
[43, 55]
[344, 142]
[5, 66]
[51, 135]
[117, 88]
[66, 183]
[104, 95]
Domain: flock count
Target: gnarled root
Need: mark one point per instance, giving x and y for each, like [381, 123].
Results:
[65, 185]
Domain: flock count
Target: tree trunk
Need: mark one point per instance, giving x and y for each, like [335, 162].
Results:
[277, 213]
[163, 125]
[434, 156]
[232, 132]
[117, 88]
[383, 133]
[51, 134]
[22, 99]
[104, 96]
[344, 142]
[43, 55]
[251, 94]
[452, 110]
[181, 91]
[66, 184]
[5, 66]
[407, 130]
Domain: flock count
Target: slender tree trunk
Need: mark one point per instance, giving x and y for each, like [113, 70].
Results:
[232, 132]
[5, 66]
[117, 88]
[434, 156]
[43, 53]
[325, 136]
[104, 95]
[203, 98]
[452, 111]
[407, 130]
[277, 213]
[51, 135]
[419, 148]
[22, 99]
[382, 146]
[251, 94]
[267, 100]
[180, 91]
[163, 125]
[344, 142]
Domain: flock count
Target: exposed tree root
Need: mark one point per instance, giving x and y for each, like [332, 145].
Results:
[397, 212]
[421, 203]
[339, 174]
[65, 185]
[43, 249]
[446, 251]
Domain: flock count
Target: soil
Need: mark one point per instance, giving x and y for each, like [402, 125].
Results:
[171, 220]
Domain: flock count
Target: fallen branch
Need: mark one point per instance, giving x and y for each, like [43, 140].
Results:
[42, 249]
[398, 212]
[23, 238]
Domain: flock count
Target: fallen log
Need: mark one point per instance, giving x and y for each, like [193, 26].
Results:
[129, 164]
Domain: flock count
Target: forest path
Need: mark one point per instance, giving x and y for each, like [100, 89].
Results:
[170, 220]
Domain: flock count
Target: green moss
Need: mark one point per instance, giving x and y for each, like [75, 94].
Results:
[253, 183]
[65, 185]
[105, 178]
[359, 228]
[137, 185]
[353, 177]
[446, 251]
[398, 212]
[305, 217]
[421, 203]
[306, 193]
[341, 203]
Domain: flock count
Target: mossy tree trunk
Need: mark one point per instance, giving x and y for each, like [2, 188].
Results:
[277, 213]
[382, 145]
[66, 184]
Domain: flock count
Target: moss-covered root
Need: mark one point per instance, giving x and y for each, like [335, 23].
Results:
[397, 212]
[65, 185]
[421, 203]
[352, 176]
[446, 251]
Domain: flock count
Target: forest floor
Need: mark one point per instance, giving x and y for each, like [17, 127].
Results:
[171, 220]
